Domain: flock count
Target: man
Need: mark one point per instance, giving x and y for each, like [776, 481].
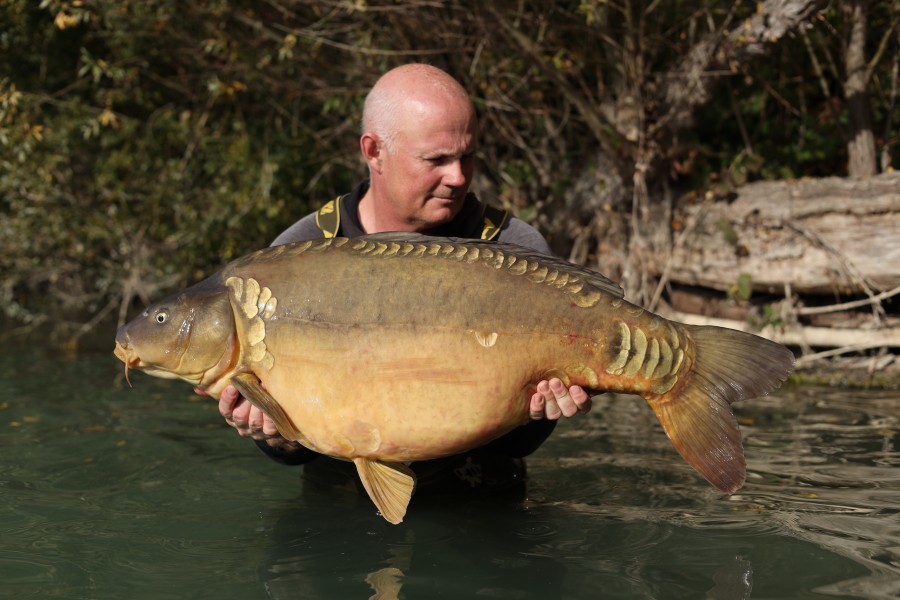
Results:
[419, 140]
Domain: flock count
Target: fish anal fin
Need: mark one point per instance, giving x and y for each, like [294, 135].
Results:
[251, 388]
[726, 366]
[389, 485]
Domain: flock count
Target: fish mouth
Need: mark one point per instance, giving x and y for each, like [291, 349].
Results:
[127, 356]
[132, 361]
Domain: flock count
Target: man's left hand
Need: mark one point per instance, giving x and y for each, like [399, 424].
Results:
[552, 399]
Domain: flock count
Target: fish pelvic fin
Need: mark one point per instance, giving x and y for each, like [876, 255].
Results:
[696, 414]
[250, 388]
[389, 485]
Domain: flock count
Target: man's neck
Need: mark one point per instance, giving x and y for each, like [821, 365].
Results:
[375, 219]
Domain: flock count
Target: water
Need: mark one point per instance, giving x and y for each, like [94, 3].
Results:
[111, 492]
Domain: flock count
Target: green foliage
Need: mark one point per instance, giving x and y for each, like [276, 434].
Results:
[741, 291]
[137, 156]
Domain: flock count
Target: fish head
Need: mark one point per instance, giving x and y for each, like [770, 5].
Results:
[189, 335]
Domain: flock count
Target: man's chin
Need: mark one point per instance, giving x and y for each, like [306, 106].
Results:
[453, 205]
[441, 211]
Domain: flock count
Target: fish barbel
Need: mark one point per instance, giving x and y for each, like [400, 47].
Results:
[392, 348]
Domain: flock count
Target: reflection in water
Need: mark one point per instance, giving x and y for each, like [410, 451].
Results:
[115, 493]
[386, 583]
[457, 548]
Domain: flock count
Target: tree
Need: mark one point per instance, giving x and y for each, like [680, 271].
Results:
[861, 144]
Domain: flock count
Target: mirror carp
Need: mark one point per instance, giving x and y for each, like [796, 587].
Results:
[392, 348]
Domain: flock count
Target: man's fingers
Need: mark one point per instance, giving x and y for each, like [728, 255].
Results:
[227, 401]
[240, 414]
[552, 399]
[581, 398]
[537, 406]
[543, 403]
[564, 400]
[269, 428]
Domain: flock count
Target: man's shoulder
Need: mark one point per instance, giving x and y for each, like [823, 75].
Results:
[521, 233]
[303, 230]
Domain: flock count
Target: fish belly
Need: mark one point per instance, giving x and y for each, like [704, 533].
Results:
[404, 394]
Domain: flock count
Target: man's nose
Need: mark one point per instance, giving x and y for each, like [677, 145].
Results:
[454, 174]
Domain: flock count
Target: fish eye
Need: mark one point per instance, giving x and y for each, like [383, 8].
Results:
[161, 317]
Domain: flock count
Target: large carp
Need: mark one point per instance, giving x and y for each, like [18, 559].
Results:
[393, 348]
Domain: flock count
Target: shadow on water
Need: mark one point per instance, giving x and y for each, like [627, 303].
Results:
[109, 492]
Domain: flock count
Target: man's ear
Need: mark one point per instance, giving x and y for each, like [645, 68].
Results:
[372, 150]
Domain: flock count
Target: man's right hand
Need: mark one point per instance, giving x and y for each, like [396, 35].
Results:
[242, 415]
[249, 420]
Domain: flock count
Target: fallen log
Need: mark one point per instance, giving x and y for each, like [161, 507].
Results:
[802, 335]
[830, 236]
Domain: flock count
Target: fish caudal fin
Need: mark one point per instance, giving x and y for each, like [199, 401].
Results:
[728, 366]
[389, 485]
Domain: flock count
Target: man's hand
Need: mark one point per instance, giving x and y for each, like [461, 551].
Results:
[242, 415]
[249, 420]
[552, 400]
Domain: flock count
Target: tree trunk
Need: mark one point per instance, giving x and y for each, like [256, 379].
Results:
[861, 157]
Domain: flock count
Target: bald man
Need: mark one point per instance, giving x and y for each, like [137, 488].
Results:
[419, 138]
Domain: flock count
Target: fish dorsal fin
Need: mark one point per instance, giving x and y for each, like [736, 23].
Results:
[540, 268]
[250, 388]
[389, 485]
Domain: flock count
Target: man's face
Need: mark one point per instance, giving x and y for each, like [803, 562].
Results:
[427, 173]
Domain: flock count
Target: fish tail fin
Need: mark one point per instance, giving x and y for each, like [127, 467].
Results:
[727, 366]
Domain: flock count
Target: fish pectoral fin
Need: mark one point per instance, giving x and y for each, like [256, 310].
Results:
[251, 388]
[389, 485]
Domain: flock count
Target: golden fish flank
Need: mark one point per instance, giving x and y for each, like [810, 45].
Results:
[258, 305]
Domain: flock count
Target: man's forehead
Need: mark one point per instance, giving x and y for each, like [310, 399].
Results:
[431, 124]
[441, 143]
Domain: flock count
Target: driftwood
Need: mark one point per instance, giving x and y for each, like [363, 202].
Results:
[820, 260]
[813, 236]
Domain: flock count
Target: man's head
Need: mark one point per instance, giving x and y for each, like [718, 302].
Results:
[419, 140]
